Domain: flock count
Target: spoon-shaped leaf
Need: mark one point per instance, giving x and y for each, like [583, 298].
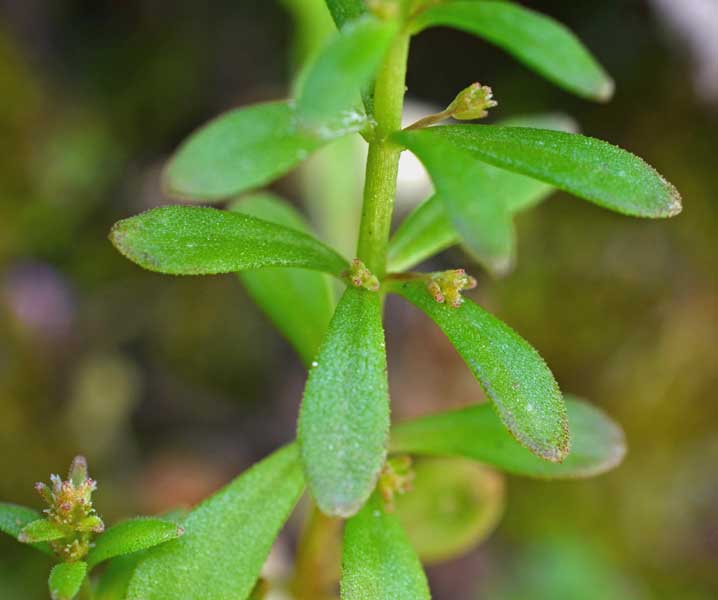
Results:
[227, 537]
[541, 43]
[464, 210]
[344, 11]
[378, 561]
[589, 168]
[453, 505]
[299, 302]
[597, 443]
[14, 517]
[66, 579]
[246, 148]
[344, 419]
[131, 536]
[512, 373]
[191, 240]
[330, 86]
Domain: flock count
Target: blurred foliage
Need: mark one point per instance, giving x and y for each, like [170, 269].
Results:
[172, 386]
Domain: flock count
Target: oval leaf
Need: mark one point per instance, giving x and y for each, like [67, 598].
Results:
[378, 561]
[344, 11]
[131, 536]
[429, 230]
[331, 84]
[587, 167]
[41, 530]
[227, 537]
[66, 579]
[299, 302]
[597, 443]
[191, 240]
[512, 373]
[541, 43]
[344, 419]
[453, 505]
[247, 148]
[14, 517]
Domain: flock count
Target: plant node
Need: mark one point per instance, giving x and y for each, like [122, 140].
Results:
[446, 286]
[396, 478]
[361, 276]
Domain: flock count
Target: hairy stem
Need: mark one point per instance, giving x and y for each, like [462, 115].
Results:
[383, 159]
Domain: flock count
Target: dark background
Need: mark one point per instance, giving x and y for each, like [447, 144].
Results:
[173, 386]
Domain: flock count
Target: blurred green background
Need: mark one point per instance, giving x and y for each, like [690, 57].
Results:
[171, 386]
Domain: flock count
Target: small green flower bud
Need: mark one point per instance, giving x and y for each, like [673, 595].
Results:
[472, 102]
[362, 277]
[384, 9]
[446, 286]
[396, 478]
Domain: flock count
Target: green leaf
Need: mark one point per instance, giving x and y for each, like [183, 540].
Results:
[115, 579]
[587, 167]
[512, 373]
[426, 231]
[41, 530]
[66, 579]
[131, 536]
[475, 204]
[344, 11]
[597, 443]
[247, 148]
[453, 505]
[378, 561]
[191, 240]
[475, 207]
[344, 419]
[14, 517]
[299, 302]
[541, 43]
[331, 84]
[227, 537]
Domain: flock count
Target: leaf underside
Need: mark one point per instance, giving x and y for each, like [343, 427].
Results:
[246, 148]
[597, 443]
[298, 301]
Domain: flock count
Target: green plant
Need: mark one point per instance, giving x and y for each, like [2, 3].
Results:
[353, 463]
[70, 527]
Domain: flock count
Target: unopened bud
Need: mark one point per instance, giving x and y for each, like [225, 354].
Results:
[396, 478]
[446, 286]
[362, 277]
[472, 102]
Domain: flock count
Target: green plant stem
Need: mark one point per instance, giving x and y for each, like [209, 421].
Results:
[317, 564]
[383, 160]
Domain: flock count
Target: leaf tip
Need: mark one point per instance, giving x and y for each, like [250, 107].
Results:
[605, 90]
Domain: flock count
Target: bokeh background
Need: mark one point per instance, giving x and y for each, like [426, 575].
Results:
[172, 386]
